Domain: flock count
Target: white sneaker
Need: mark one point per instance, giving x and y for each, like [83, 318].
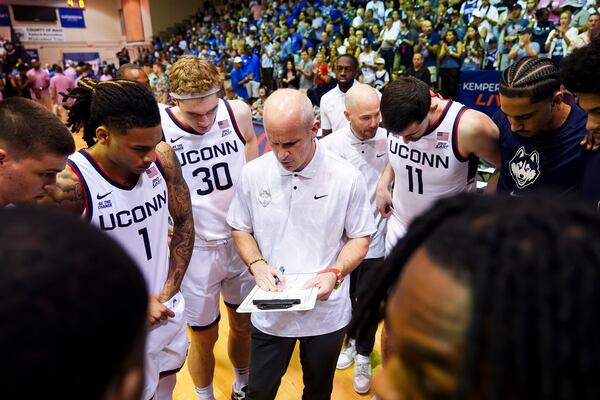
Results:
[346, 357]
[362, 376]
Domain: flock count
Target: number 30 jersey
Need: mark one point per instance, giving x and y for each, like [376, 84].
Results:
[430, 168]
[136, 216]
[211, 164]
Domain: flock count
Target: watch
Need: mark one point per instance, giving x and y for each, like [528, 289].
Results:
[339, 276]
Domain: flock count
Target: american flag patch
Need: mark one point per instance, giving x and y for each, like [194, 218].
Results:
[152, 172]
[443, 136]
[223, 124]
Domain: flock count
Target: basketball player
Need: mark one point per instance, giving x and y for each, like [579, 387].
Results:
[580, 73]
[212, 139]
[364, 144]
[540, 133]
[63, 285]
[30, 155]
[128, 182]
[433, 148]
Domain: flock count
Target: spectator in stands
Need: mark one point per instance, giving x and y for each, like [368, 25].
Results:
[305, 72]
[524, 47]
[40, 84]
[238, 81]
[290, 78]
[474, 50]
[428, 45]
[366, 60]
[509, 34]
[490, 61]
[106, 76]
[377, 7]
[382, 77]
[161, 88]
[418, 69]
[405, 45]
[579, 14]
[258, 105]
[489, 16]
[450, 57]
[251, 71]
[387, 40]
[60, 84]
[559, 40]
[541, 29]
[593, 26]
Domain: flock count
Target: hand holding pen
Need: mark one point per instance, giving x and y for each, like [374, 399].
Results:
[267, 277]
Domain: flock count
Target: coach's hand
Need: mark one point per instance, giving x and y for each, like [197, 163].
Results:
[383, 200]
[157, 311]
[264, 275]
[325, 282]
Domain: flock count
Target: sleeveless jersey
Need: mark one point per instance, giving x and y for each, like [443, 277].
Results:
[431, 167]
[211, 164]
[136, 216]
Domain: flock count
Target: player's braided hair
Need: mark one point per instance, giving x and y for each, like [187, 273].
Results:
[580, 70]
[533, 77]
[531, 265]
[119, 105]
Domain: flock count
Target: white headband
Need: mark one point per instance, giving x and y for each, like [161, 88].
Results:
[188, 96]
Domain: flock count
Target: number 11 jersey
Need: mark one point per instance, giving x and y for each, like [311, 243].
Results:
[211, 164]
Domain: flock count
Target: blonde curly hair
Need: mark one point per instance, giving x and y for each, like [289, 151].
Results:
[191, 75]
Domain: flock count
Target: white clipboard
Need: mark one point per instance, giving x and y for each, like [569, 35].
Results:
[293, 290]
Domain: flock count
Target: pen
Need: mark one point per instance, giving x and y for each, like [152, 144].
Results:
[282, 270]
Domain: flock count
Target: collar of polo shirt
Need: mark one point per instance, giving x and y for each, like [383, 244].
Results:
[311, 168]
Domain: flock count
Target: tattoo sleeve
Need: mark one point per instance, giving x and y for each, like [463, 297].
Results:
[180, 208]
[68, 193]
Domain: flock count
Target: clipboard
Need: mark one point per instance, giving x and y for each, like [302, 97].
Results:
[292, 298]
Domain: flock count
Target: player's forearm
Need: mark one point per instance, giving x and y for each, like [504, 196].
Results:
[182, 246]
[352, 254]
[386, 178]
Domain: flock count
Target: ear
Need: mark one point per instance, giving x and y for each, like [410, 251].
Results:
[347, 115]
[3, 157]
[315, 128]
[102, 135]
[558, 97]
[534, 157]
[520, 152]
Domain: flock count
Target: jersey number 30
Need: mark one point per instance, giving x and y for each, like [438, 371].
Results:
[217, 177]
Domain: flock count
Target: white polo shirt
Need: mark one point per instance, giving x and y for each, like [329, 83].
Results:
[370, 157]
[301, 220]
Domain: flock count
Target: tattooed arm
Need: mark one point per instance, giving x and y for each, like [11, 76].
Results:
[68, 193]
[180, 208]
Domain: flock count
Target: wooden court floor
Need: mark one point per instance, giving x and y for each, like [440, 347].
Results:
[291, 384]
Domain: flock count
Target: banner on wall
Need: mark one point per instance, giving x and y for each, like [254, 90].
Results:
[4, 17]
[34, 34]
[480, 90]
[71, 18]
[91, 58]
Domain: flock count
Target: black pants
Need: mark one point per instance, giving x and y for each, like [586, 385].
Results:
[360, 279]
[270, 356]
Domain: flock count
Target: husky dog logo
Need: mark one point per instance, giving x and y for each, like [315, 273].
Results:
[264, 197]
[525, 168]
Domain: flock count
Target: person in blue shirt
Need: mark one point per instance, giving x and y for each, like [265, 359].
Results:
[580, 73]
[540, 134]
[238, 82]
[251, 71]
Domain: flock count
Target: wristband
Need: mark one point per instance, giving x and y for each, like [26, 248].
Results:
[338, 275]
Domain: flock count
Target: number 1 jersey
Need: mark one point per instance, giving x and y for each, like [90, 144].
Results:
[211, 163]
[136, 216]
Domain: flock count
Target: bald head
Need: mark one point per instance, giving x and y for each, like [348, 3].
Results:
[288, 107]
[362, 110]
[132, 72]
[361, 96]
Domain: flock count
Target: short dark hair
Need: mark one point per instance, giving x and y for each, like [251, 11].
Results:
[533, 77]
[404, 101]
[580, 70]
[123, 69]
[74, 303]
[351, 57]
[29, 129]
[119, 105]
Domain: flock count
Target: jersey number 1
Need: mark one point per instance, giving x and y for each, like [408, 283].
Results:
[144, 234]
[419, 174]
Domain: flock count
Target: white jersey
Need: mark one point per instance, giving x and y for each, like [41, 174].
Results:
[211, 164]
[370, 157]
[136, 216]
[430, 168]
